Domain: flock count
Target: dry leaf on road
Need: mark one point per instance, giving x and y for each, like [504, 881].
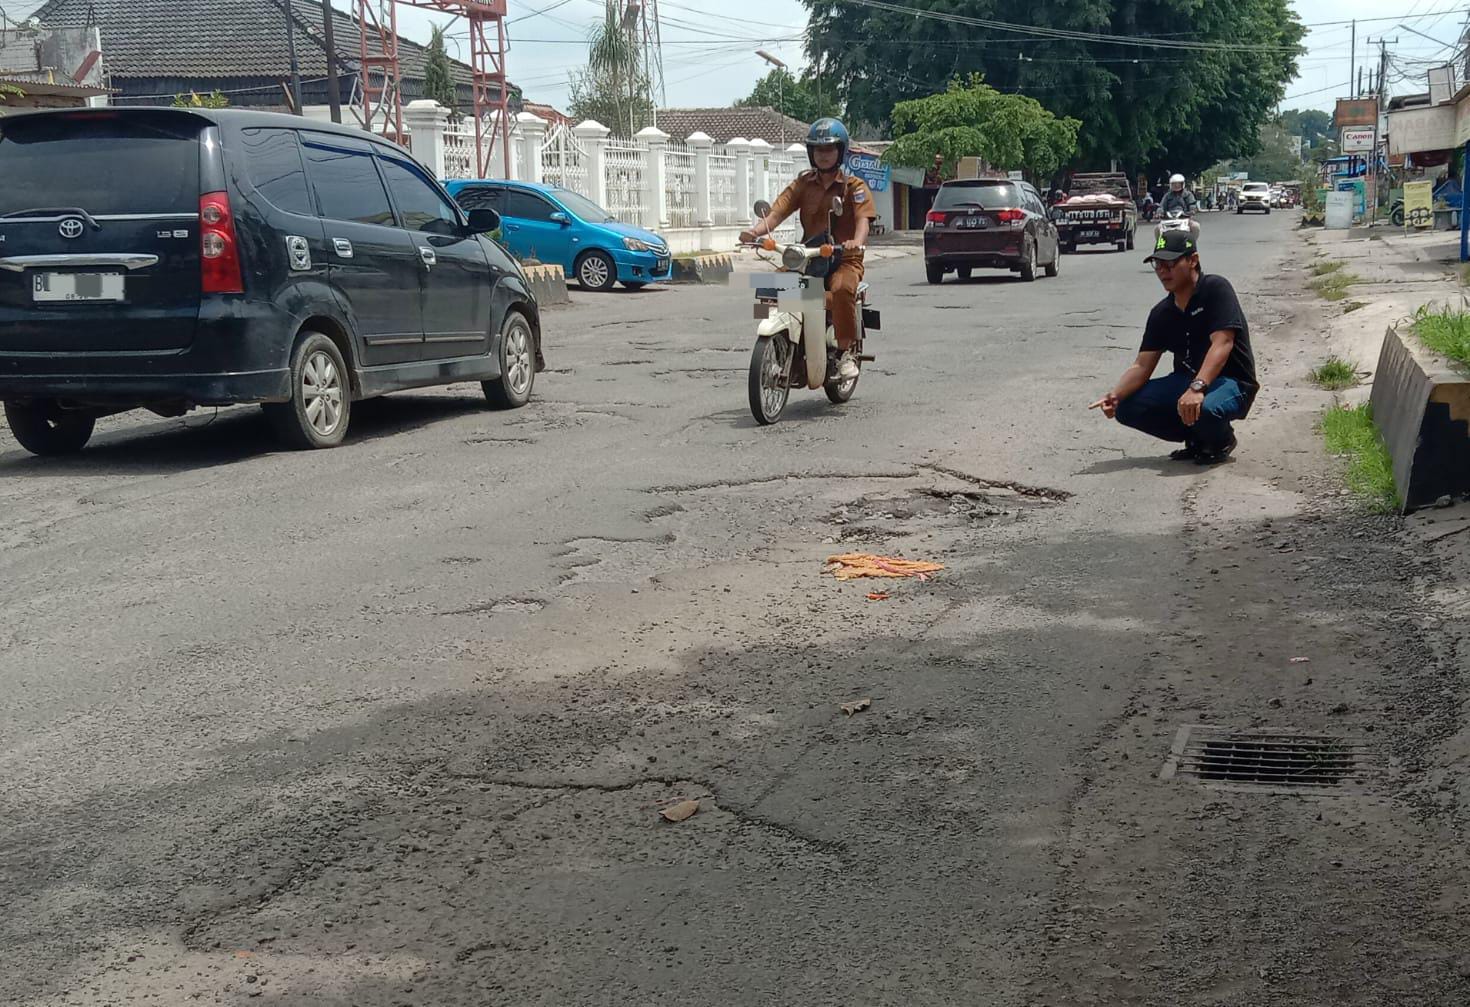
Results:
[878, 596]
[856, 705]
[679, 812]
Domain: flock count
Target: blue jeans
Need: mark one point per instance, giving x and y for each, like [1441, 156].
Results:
[1154, 409]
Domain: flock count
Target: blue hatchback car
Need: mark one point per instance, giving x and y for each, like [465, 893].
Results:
[561, 227]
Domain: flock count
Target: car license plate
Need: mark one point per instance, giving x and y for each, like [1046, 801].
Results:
[661, 265]
[974, 223]
[77, 287]
[1087, 234]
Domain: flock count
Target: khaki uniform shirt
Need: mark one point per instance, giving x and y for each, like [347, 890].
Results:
[814, 201]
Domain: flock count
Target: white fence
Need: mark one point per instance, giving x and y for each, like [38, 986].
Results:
[695, 193]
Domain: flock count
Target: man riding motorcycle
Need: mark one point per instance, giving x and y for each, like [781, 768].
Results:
[827, 143]
[1178, 198]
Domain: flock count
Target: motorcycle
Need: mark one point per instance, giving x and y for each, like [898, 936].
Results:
[1177, 220]
[795, 343]
[1396, 213]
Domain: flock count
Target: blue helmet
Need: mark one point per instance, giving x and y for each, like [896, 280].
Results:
[824, 133]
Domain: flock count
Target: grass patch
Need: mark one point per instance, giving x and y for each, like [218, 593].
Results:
[1335, 374]
[1445, 331]
[1323, 268]
[1352, 433]
[1351, 306]
[1333, 286]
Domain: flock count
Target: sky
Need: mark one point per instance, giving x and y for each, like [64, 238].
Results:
[709, 45]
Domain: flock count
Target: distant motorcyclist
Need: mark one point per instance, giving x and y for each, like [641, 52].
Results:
[1178, 198]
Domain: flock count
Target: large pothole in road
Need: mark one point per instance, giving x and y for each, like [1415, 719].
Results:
[908, 511]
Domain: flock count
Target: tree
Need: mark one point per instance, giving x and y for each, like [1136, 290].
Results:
[1313, 125]
[8, 91]
[614, 88]
[801, 98]
[438, 75]
[973, 119]
[215, 99]
[1150, 108]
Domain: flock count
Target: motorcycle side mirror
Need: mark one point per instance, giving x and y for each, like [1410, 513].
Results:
[762, 209]
[836, 206]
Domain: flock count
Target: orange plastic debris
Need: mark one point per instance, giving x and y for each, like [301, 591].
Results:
[878, 596]
[851, 566]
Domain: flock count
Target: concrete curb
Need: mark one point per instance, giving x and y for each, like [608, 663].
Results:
[703, 268]
[1422, 408]
[549, 284]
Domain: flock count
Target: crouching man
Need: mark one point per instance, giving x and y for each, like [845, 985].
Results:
[1201, 323]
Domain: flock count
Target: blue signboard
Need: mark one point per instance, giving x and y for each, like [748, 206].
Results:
[871, 170]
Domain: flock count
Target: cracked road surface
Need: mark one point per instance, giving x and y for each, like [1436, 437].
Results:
[393, 723]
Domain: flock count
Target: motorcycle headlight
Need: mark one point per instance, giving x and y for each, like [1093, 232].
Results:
[634, 245]
[793, 259]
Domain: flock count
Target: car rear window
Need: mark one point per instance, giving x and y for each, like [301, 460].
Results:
[101, 163]
[989, 195]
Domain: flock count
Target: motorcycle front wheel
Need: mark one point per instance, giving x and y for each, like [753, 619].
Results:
[770, 373]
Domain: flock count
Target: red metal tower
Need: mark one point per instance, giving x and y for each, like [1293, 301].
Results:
[382, 82]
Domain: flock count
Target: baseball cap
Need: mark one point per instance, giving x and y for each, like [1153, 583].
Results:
[1173, 245]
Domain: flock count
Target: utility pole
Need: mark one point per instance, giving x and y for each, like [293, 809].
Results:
[1380, 95]
[291, 51]
[334, 99]
[1353, 59]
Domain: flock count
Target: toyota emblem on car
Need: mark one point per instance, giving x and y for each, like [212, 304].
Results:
[72, 227]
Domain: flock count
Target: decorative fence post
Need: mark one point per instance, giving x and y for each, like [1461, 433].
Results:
[655, 178]
[592, 135]
[760, 184]
[702, 145]
[427, 120]
[740, 148]
[533, 133]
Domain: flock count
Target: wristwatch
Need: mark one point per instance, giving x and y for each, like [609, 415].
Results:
[1197, 385]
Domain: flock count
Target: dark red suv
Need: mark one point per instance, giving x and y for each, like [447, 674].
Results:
[993, 223]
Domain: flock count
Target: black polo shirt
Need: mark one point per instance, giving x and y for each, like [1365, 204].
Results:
[1186, 334]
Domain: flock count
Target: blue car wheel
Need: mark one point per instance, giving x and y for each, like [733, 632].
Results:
[596, 271]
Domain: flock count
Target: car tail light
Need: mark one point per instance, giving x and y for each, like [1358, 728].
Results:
[220, 263]
[1013, 217]
[937, 217]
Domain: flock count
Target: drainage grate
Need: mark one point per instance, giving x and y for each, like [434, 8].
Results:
[1276, 761]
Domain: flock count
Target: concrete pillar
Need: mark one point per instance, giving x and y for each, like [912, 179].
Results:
[592, 135]
[702, 146]
[427, 120]
[533, 134]
[655, 178]
[760, 152]
[740, 148]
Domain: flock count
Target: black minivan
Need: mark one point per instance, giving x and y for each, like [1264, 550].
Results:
[173, 258]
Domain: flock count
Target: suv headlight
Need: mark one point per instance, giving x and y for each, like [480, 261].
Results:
[635, 245]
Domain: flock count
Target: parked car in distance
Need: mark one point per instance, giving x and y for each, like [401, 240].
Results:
[172, 258]
[557, 226]
[992, 223]
[1254, 196]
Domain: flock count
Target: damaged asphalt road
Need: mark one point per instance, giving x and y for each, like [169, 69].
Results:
[395, 723]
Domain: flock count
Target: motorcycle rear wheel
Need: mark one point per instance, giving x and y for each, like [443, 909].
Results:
[770, 386]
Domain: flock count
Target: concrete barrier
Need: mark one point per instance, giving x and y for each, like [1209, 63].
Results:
[713, 268]
[1422, 406]
[548, 283]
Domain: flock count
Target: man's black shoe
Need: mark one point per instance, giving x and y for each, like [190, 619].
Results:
[1188, 453]
[1217, 456]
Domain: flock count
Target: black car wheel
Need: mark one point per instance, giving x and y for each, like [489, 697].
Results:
[321, 396]
[934, 271]
[964, 272]
[1055, 265]
[46, 429]
[635, 286]
[1028, 261]
[596, 271]
[1131, 235]
[517, 365]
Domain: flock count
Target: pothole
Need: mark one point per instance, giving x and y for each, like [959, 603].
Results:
[501, 606]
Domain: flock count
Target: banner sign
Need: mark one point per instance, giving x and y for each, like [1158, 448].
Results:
[1357, 140]
[1419, 204]
[870, 169]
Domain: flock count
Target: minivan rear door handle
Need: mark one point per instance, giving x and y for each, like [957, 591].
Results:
[427, 254]
[343, 247]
